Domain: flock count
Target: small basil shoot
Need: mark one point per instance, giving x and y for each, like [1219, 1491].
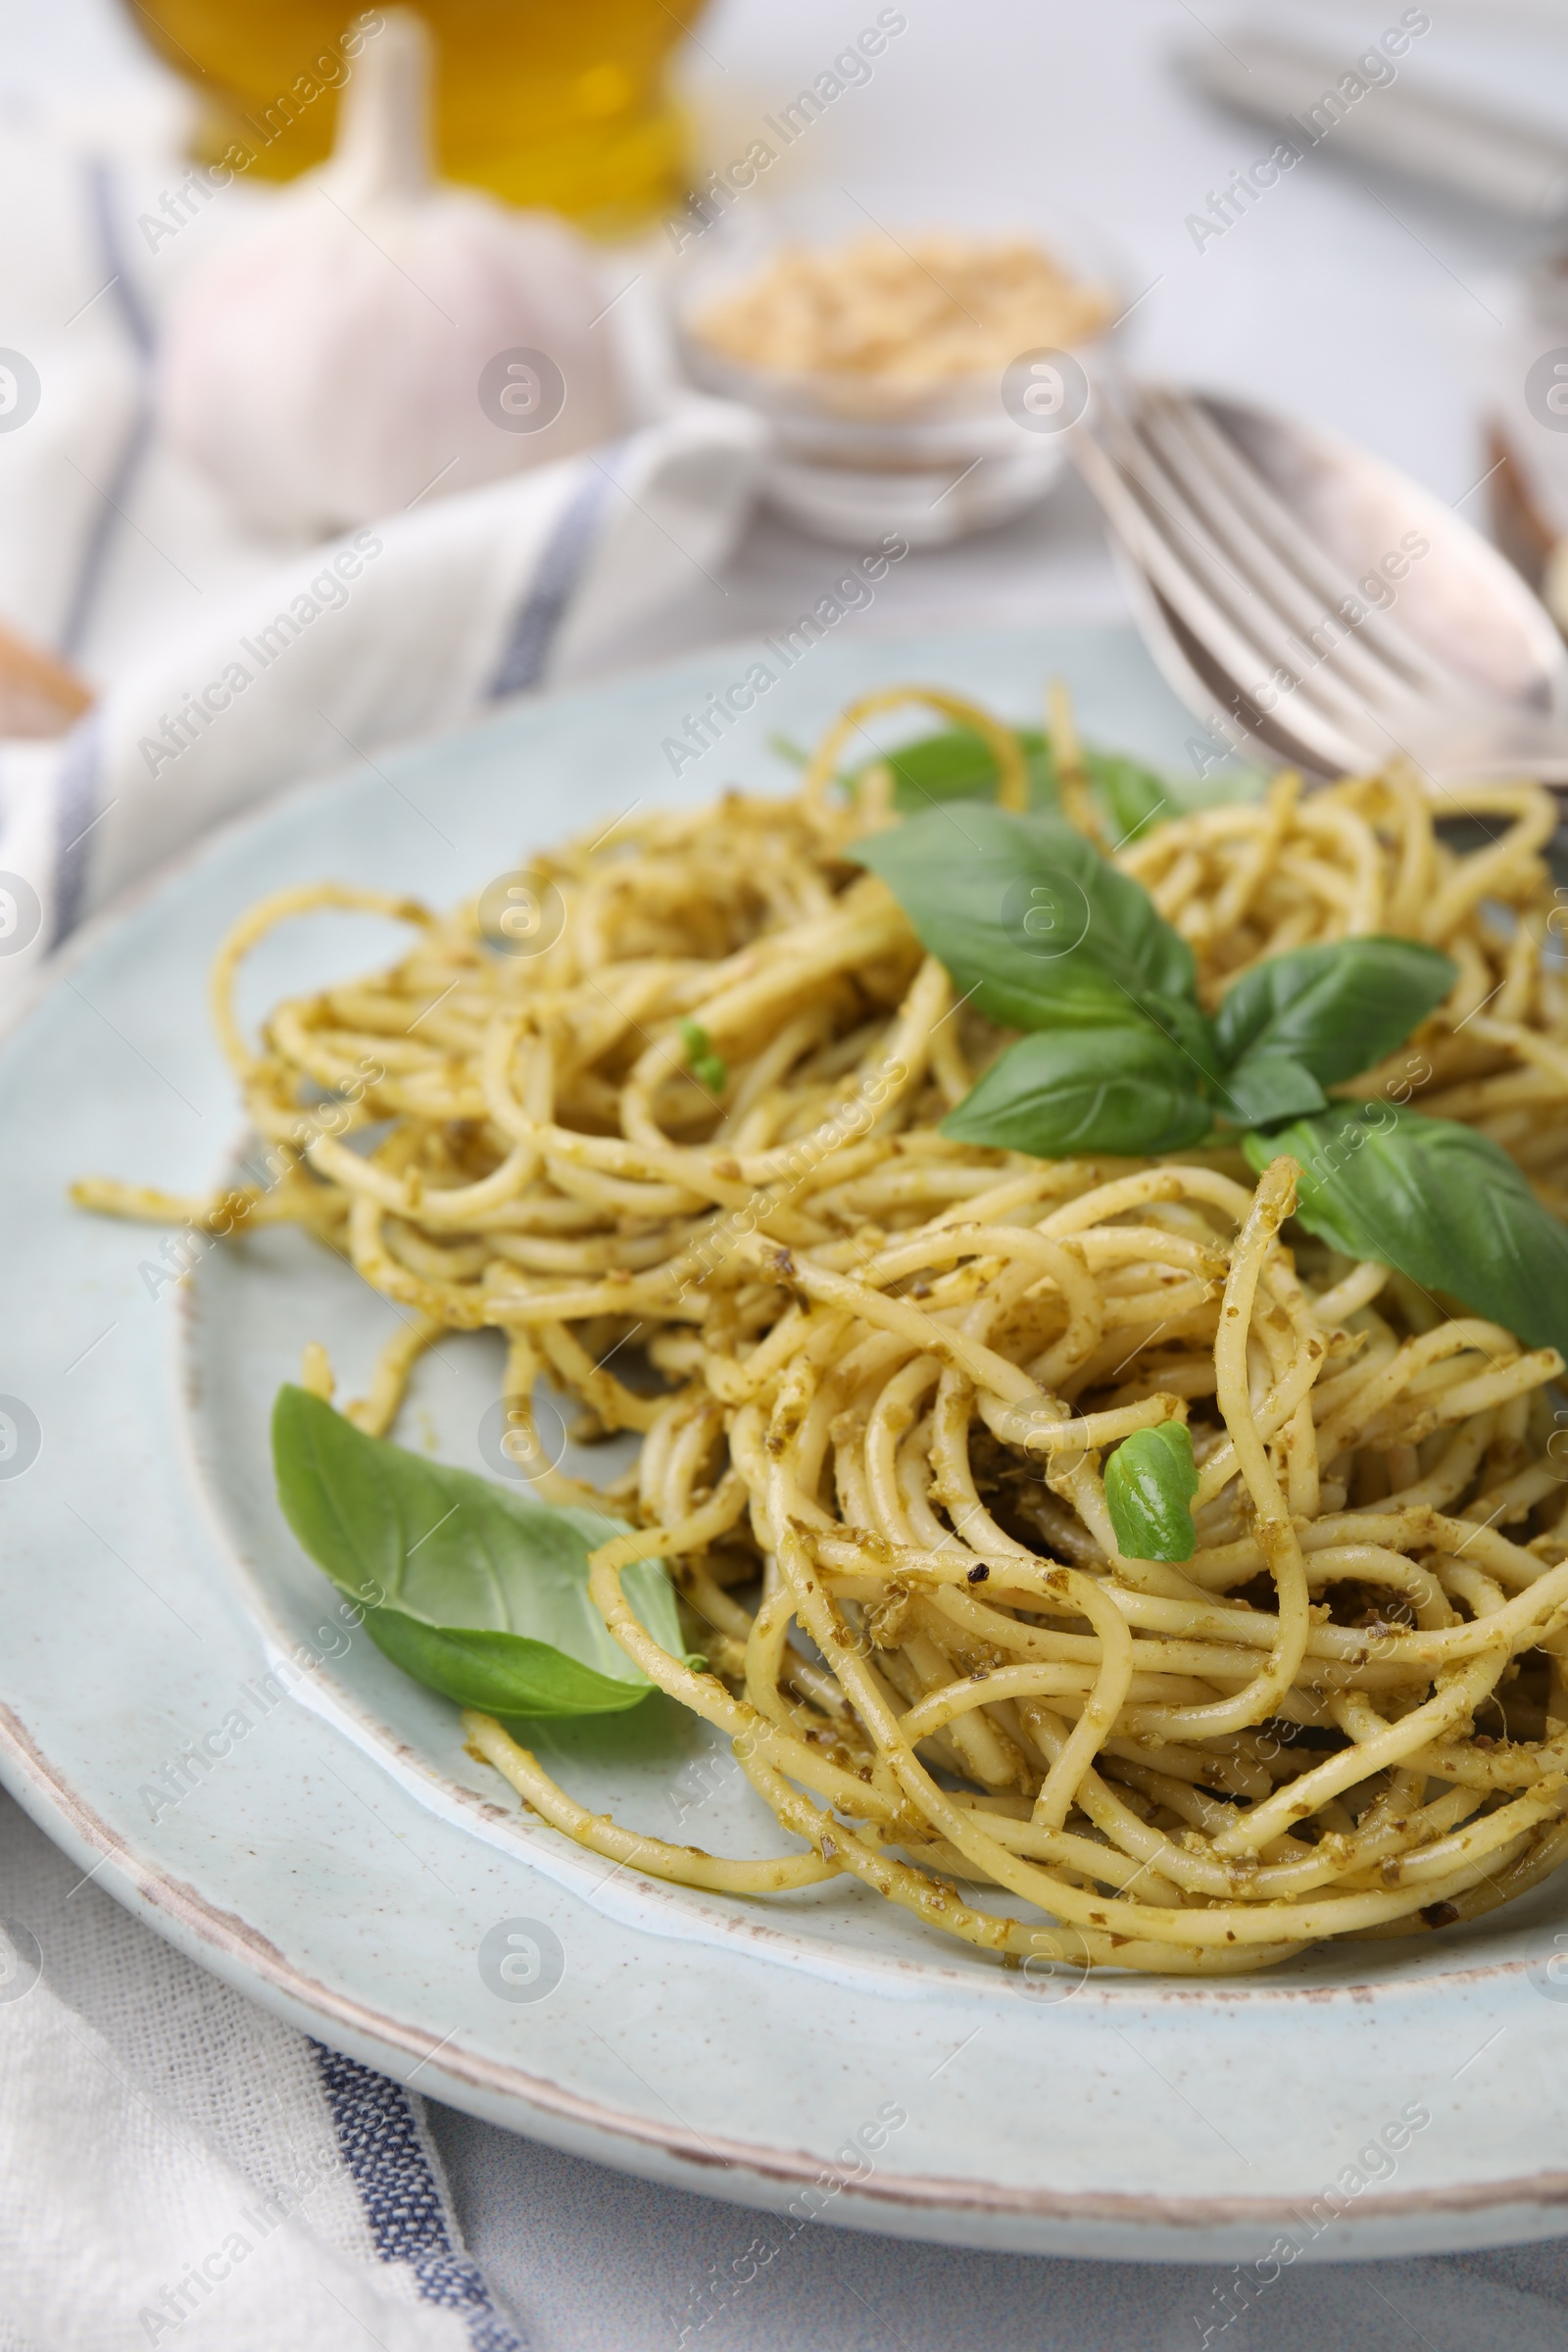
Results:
[471, 1591]
[1151, 1480]
[705, 1065]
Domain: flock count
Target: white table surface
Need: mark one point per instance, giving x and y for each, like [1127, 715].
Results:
[1363, 302]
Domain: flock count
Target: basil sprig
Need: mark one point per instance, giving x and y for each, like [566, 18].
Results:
[1119, 1057]
[471, 1591]
[1151, 1480]
[1047, 937]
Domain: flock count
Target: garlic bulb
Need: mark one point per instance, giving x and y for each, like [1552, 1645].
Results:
[380, 336]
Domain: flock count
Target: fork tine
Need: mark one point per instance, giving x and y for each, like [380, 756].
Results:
[1180, 562]
[1192, 671]
[1408, 698]
[1176, 578]
[1357, 691]
[1254, 622]
[1300, 569]
[1312, 627]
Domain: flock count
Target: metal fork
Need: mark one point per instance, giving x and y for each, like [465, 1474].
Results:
[1263, 628]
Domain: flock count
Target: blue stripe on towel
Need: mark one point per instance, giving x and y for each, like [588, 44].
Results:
[77, 811]
[539, 617]
[134, 319]
[381, 2146]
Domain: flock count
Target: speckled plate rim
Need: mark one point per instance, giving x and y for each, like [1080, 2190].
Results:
[1103, 2225]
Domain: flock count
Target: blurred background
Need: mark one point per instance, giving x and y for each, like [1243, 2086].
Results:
[1383, 304]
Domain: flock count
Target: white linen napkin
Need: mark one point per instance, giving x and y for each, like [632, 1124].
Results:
[180, 2168]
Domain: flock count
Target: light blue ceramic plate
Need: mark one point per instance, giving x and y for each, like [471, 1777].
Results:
[336, 1854]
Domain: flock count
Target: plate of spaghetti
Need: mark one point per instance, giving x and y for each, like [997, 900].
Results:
[845, 1476]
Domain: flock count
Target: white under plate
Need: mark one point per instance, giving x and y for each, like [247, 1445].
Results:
[348, 1865]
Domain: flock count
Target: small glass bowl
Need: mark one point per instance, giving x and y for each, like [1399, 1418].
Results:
[856, 457]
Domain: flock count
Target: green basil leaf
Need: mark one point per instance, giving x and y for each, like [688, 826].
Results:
[1030, 919]
[1061, 1091]
[1435, 1201]
[483, 1597]
[1151, 1480]
[504, 1674]
[956, 766]
[1265, 1087]
[707, 1067]
[1335, 1009]
[1130, 795]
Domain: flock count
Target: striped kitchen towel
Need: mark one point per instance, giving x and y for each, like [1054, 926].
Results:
[180, 2168]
